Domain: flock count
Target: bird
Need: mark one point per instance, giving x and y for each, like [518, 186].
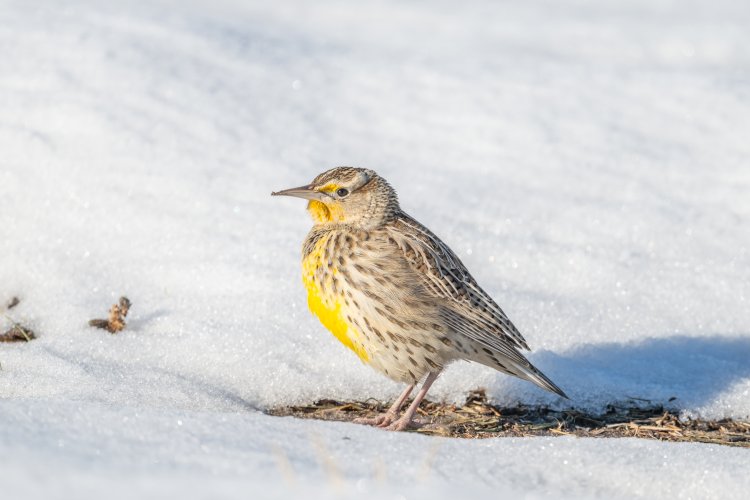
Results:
[395, 294]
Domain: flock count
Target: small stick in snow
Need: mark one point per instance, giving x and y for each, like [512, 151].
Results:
[116, 321]
[12, 303]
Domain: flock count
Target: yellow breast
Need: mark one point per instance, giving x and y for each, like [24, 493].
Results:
[326, 305]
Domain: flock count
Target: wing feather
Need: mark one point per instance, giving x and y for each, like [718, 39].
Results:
[467, 310]
[446, 277]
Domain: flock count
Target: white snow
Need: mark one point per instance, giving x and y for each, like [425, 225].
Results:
[65, 450]
[587, 161]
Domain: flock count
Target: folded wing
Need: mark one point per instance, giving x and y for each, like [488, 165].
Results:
[467, 310]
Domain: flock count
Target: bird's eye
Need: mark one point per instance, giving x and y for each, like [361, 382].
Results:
[342, 192]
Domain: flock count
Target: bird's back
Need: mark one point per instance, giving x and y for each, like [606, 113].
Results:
[478, 325]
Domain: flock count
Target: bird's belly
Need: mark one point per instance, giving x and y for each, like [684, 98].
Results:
[325, 303]
[330, 311]
[379, 327]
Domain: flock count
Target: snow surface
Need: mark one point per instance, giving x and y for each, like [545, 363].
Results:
[120, 452]
[587, 161]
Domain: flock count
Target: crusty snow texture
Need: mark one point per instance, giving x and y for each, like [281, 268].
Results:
[587, 160]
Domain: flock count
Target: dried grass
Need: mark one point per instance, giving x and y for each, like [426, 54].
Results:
[17, 332]
[477, 418]
[116, 321]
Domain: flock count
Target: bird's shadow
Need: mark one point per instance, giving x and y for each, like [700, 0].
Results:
[684, 371]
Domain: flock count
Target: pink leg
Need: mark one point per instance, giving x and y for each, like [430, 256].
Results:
[388, 417]
[405, 420]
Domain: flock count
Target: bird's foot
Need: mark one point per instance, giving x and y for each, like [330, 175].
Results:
[401, 424]
[382, 420]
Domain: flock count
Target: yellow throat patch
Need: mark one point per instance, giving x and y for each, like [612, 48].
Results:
[325, 305]
[320, 212]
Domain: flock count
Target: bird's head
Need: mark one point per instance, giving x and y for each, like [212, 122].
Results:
[347, 195]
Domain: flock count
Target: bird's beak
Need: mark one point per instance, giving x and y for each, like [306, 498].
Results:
[306, 192]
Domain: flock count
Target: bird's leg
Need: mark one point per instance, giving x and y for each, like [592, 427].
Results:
[405, 420]
[388, 417]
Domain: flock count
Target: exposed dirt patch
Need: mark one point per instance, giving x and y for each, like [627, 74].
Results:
[479, 419]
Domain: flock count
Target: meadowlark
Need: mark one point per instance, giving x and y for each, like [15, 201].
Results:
[395, 294]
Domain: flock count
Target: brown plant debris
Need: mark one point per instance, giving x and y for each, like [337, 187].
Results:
[17, 333]
[116, 321]
[477, 418]
[12, 303]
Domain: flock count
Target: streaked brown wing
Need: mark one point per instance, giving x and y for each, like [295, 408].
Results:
[469, 310]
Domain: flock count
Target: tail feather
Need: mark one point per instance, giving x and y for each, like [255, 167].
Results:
[521, 368]
[532, 374]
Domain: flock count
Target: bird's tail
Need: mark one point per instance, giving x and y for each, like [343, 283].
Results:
[521, 367]
[532, 374]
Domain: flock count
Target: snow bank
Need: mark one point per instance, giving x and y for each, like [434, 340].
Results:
[588, 162]
[595, 187]
[68, 451]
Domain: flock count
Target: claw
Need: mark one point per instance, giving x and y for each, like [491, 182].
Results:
[383, 424]
[383, 420]
[399, 425]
